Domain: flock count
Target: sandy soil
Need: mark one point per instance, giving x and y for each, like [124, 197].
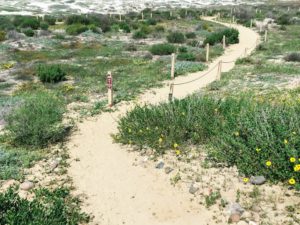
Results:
[119, 192]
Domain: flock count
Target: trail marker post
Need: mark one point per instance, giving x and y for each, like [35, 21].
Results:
[207, 52]
[171, 14]
[120, 17]
[224, 42]
[173, 66]
[151, 15]
[142, 15]
[251, 23]
[109, 83]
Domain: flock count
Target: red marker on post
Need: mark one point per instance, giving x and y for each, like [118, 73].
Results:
[109, 82]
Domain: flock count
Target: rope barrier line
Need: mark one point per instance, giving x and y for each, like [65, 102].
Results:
[198, 78]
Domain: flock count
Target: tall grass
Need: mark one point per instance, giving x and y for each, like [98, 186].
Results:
[37, 121]
[246, 131]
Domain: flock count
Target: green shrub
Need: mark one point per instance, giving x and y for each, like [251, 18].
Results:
[159, 29]
[151, 22]
[139, 35]
[284, 19]
[183, 49]
[125, 27]
[29, 32]
[37, 121]
[232, 37]
[32, 23]
[51, 73]
[293, 57]
[243, 131]
[76, 29]
[50, 20]
[190, 35]
[78, 19]
[186, 56]
[47, 207]
[44, 26]
[146, 29]
[2, 35]
[176, 37]
[162, 49]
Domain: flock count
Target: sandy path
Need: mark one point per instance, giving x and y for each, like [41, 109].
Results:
[119, 192]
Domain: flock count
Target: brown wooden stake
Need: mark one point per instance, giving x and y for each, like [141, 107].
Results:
[224, 42]
[251, 23]
[142, 15]
[173, 66]
[151, 15]
[266, 35]
[109, 81]
[120, 17]
[171, 92]
[207, 52]
[219, 71]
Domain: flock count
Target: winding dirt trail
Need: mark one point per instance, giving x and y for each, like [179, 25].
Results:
[119, 192]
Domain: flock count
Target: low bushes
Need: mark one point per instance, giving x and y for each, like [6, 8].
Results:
[232, 37]
[260, 135]
[76, 29]
[190, 35]
[293, 57]
[32, 23]
[29, 32]
[284, 19]
[183, 67]
[51, 73]
[37, 121]
[47, 207]
[176, 37]
[2, 35]
[139, 35]
[162, 49]
[186, 56]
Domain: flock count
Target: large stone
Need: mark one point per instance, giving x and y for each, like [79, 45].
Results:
[26, 186]
[258, 180]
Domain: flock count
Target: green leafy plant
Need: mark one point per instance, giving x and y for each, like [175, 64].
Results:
[2, 35]
[76, 29]
[176, 37]
[186, 56]
[162, 49]
[47, 207]
[37, 121]
[293, 57]
[190, 35]
[50, 73]
[29, 32]
[232, 36]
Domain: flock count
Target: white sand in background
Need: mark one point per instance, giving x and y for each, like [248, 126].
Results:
[105, 6]
[119, 193]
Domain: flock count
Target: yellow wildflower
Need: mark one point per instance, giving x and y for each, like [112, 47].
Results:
[160, 140]
[237, 133]
[258, 149]
[297, 167]
[246, 180]
[294, 133]
[141, 131]
[268, 163]
[285, 141]
[178, 152]
[183, 113]
[129, 130]
[147, 128]
[156, 128]
[292, 160]
[175, 145]
[216, 110]
[292, 181]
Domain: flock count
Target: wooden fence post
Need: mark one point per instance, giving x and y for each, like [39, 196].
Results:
[207, 52]
[142, 15]
[151, 15]
[219, 71]
[109, 81]
[266, 35]
[251, 23]
[224, 42]
[246, 51]
[171, 14]
[120, 17]
[171, 92]
[173, 66]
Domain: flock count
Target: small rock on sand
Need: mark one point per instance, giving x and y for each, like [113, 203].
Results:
[193, 189]
[242, 223]
[234, 218]
[168, 170]
[258, 180]
[160, 165]
[26, 186]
